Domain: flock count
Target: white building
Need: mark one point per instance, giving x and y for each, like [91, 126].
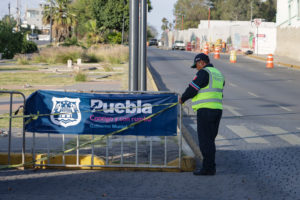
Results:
[288, 28]
[34, 18]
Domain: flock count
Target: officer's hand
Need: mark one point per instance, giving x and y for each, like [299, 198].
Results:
[180, 101]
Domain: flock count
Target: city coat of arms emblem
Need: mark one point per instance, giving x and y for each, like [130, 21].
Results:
[65, 111]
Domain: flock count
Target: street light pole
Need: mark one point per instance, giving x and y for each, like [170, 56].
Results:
[133, 45]
[143, 46]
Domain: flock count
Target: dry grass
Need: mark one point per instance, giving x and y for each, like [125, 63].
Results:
[53, 55]
[22, 59]
[114, 54]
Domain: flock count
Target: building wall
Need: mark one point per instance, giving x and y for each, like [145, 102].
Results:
[288, 13]
[288, 28]
[288, 42]
[242, 33]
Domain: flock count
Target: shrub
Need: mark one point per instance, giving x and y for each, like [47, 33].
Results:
[70, 42]
[29, 47]
[10, 42]
[80, 77]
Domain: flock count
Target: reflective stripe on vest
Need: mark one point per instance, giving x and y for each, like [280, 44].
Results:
[209, 97]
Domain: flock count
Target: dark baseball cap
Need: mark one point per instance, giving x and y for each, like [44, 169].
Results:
[198, 57]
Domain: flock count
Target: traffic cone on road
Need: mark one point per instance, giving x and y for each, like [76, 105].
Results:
[217, 53]
[232, 57]
[206, 51]
[270, 63]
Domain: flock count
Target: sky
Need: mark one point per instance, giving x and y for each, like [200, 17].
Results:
[161, 8]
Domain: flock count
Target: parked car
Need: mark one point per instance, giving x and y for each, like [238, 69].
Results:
[33, 36]
[153, 42]
[178, 44]
[248, 52]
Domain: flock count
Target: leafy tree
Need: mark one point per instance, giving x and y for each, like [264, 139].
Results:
[62, 17]
[192, 11]
[267, 10]
[10, 42]
[165, 24]
[83, 10]
[151, 32]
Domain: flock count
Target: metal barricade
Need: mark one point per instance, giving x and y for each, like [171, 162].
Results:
[113, 151]
[10, 118]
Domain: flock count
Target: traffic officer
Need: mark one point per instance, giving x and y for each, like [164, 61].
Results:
[206, 91]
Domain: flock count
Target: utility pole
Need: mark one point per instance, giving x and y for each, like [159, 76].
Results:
[18, 16]
[181, 21]
[251, 11]
[9, 13]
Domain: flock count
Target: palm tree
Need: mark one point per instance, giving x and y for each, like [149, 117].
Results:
[58, 14]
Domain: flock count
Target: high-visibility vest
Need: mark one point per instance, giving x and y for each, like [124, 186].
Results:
[210, 96]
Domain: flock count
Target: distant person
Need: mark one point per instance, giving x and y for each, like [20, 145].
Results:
[206, 91]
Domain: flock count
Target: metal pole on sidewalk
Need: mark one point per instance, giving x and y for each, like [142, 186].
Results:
[133, 45]
[143, 46]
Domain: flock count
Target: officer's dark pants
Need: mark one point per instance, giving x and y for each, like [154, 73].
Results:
[208, 121]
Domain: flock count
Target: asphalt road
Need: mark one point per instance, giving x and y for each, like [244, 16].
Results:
[259, 135]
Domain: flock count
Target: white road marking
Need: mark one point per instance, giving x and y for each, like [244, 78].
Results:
[248, 135]
[220, 140]
[252, 94]
[284, 108]
[283, 134]
[232, 110]
[267, 74]
[232, 84]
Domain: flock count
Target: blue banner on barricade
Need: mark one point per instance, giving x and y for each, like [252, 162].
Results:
[100, 114]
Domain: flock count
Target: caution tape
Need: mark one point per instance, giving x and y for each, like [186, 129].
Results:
[90, 142]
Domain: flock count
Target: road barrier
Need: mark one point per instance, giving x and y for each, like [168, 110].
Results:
[217, 53]
[270, 63]
[10, 118]
[232, 58]
[131, 141]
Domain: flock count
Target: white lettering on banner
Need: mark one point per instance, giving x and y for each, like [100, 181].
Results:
[128, 107]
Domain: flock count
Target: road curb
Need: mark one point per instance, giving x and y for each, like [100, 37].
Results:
[277, 63]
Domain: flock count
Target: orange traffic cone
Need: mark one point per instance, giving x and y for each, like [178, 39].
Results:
[206, 51]
[270, 63]
[232, 56]
[217, 53]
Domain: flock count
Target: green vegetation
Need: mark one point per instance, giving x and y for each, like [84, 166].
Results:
[80, 77]
[91, 21]
[16, 122]
[12, 42]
